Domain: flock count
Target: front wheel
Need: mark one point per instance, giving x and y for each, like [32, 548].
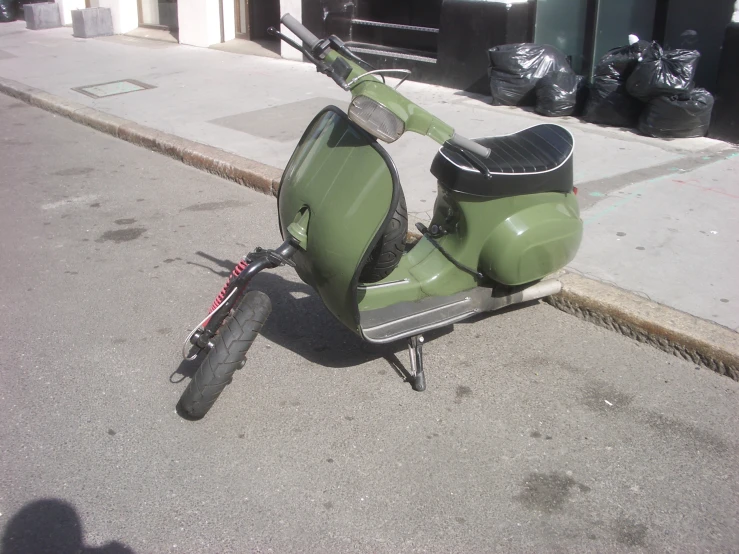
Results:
[230, 345]
[386, 255]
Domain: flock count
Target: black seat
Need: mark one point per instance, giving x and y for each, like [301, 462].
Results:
[537, 159]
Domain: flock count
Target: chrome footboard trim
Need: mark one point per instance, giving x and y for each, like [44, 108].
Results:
[412, 318]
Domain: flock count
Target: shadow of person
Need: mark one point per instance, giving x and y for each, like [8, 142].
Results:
[50, 526]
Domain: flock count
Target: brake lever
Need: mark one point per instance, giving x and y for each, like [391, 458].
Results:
[340, 47]
[275, 33]
[321, 67]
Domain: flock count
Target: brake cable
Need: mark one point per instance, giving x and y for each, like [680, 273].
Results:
[426, 233]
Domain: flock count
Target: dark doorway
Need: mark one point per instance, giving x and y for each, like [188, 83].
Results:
[262, 14]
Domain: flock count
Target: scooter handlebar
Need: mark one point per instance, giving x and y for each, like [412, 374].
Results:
[470, 145]
[300, 31]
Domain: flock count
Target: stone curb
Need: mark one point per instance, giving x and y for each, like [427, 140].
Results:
[675, 332]
[686, 336]
[249, 173]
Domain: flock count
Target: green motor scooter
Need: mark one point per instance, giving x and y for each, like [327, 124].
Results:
[506, 216]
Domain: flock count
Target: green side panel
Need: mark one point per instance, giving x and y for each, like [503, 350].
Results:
[534, 241]
[342, 179]
[425, 272]
[512, 241]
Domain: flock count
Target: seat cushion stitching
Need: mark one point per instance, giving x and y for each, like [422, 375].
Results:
[505, 146]
[550, 160]
[539, 153]
[502, 158]
[562, 152]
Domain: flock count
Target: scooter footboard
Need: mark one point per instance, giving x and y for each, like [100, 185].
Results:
[407, 319]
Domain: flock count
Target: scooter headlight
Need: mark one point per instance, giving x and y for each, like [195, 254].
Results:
[376, 119]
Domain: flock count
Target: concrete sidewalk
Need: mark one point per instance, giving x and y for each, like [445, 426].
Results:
[661, 216]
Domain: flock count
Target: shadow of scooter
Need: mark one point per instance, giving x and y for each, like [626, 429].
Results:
[301, 323]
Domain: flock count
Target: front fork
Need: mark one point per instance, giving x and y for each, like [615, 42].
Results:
[256, 261]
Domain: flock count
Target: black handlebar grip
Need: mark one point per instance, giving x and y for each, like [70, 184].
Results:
[300, 31]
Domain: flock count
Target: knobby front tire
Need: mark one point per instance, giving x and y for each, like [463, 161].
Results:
[230, 345]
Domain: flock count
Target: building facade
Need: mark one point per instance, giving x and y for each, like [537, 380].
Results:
[442, 41]
[445, 41]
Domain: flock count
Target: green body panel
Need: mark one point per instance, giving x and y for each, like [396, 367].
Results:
[426, 272]
[415, 118]
[512, 241]
[298, 229]
[534, 241]
[338, 177]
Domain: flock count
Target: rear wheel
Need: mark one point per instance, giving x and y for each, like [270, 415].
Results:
[386, 255]
[230, 345]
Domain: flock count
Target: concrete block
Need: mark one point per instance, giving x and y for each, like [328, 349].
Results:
[66, 7]
[44, 15]
[92, 22]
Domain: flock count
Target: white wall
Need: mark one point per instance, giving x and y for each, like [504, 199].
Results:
[125, 14]
[200, 21]
[229, 20]
[66, 7]
[294, 8]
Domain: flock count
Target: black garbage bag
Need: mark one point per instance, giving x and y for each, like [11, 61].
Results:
[618, 63]
[609, 104]
[9, 10]
[678, 116]
[663, 73]
[559, 94]
[515, 69]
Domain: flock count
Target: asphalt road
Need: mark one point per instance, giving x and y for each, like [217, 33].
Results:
[538, 432]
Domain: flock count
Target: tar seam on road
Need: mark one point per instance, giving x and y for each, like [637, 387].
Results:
[694, 339]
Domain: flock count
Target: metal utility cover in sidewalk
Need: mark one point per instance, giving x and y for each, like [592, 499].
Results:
[113, 88]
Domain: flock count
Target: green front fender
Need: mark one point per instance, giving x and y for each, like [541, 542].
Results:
[344, 187]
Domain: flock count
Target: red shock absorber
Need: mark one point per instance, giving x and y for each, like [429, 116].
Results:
[241, 266]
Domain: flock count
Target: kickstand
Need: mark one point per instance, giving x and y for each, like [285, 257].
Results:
[415, 349]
